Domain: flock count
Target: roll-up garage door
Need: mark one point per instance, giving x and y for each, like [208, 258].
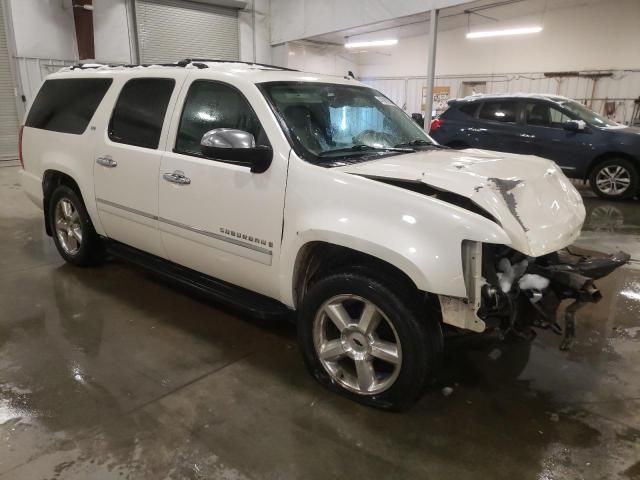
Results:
[171, 30]
[8, 110]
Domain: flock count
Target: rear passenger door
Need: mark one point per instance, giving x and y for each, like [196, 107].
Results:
[127, 158]
[499, 127]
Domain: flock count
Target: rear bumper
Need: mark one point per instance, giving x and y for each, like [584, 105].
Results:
[32, 185]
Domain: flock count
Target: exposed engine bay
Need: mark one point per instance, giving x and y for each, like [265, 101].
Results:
[520, 293]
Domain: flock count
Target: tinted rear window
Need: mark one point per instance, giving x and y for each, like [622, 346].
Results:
[469, 109]
[139, 113]
[67, 105]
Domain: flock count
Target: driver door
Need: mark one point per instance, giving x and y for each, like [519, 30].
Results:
[548, 138]
[217, 217]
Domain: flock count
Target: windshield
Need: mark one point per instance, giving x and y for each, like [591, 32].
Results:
[330, 121]
[587, 115]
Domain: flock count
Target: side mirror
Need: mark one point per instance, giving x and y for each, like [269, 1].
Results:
[574, 125]
[236, 146]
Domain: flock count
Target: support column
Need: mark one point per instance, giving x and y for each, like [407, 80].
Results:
[431, 68]
[83, 19]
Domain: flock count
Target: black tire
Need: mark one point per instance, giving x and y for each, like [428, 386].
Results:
[419, 337]
[631, 174]
[90, 251]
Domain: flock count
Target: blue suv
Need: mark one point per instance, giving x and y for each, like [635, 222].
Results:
[583, 143]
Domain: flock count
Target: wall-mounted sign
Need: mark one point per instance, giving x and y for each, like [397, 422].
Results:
[441, 96]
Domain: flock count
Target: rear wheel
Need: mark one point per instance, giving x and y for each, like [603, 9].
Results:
[73, 232]
[614, 179]
[367, 341]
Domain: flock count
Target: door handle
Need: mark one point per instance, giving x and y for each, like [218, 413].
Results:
[106, 161]
[177, 177]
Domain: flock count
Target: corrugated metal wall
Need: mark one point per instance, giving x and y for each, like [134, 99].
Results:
[622, 88]
[8, 109]
[171, 30]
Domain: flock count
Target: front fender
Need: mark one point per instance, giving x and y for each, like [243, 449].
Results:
[419, 235]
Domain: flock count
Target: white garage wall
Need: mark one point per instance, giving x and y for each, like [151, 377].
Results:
[258, 49]
[43, 29]
[597, 36]
[306, 57]
[44, 36]
[112, 33]
[600, 36]
[297, 19]
[622, 89]
[45, 41]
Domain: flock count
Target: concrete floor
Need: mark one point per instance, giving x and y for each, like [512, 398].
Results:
[106, 373]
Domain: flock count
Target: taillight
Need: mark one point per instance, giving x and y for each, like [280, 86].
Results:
[436, 123]
[20, 146]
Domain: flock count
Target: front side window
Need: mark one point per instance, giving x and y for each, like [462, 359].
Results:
[558, 118]
[542, 114]
[328, 121]
[210, 105]
[139, 112]
[587, 115]
[67, 105]
[499, 111]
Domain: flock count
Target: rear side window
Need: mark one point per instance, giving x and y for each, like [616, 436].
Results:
[501, 111]
[139, 113]
[67, 105]
[469, 109]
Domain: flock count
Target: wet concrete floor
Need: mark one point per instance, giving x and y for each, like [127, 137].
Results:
[107, 373]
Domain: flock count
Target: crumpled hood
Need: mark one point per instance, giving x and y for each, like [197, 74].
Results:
[536, 205]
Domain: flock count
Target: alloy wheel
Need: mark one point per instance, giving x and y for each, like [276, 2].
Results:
[357, 344]
[68, 226]
[613, 180]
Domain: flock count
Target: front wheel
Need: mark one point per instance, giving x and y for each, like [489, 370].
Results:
[367, 341]
[614, 179]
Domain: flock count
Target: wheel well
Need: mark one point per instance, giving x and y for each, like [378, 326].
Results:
[317, 259]
[606, 156]
[50, 181]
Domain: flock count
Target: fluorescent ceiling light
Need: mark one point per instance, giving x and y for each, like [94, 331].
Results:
[503, 33]
[373, 43]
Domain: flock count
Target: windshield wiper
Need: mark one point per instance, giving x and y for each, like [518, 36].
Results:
[360, 148]
[417, 143]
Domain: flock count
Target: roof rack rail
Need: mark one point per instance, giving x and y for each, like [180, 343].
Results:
[181, 64]
[196, 62]
[213, 60]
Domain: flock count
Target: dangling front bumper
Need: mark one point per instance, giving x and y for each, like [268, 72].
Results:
[521, 292]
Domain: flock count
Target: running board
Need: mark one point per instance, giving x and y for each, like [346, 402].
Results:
[255, 304]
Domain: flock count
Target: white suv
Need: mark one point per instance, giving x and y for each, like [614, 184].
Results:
[279, 191]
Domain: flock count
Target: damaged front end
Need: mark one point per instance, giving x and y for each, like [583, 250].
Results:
[519, 293]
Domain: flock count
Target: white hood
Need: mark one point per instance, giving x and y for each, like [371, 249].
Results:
[536, 205]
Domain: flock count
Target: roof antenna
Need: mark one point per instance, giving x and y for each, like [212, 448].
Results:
[351, 74]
